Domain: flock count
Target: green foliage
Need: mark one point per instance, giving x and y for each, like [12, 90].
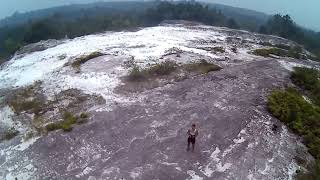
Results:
[266, 52]
[308, 79]
[283, 46]
[284, 26]
[83, 118]
[301, 116]
[33, 106]
[136, 74]
[26, 100]
[203, 67]
[231, 23]
[83, 59]
[184, 11]
[164, 68]
[11, 45]
[65, 124]
[28, 135]
[84, 115]
[9, 134]
[159, 69]
[59, 26]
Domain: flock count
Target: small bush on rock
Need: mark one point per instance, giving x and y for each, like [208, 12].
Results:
[83, 59]
[203, 67]
[159, 69]
[9, 134]
[65, 124]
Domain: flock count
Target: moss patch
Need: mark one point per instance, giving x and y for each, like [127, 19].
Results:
[202, 67]
[27, 100]
[282, 51]
[268, 52]
[83, 59]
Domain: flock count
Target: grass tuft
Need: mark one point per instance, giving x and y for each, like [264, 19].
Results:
[203, 67]
[65, 124]
[268, 52]
[159, 69]
[26, 100]
[295, 52]
[83, 59]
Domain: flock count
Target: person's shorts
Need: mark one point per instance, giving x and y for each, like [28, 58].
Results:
[192, 139]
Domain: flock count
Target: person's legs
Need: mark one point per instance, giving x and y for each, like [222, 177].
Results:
[189, 141]
[193, 143]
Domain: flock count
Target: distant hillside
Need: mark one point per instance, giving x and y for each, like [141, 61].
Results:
[76, 11]
[248, 18]
[245, 17]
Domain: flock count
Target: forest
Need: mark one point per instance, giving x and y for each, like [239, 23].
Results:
[97, 19]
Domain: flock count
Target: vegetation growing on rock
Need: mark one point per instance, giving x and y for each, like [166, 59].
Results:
[299, 115]
[219, 49]
[167, 67]
[27, 100]
[308, 79]
[295, 52]
[202, 67]
[83, 59]
[9, 134]
[159, 69]
[66, 124]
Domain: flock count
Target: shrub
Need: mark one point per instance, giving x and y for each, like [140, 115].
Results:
[267, 52]
[20, 105]
[294, 54]
[261, 52]
[305, 77]
[136, 74]
[300, 116]
[27, 99]
[164, 68]
[219, 49]
[28, 135]
[83, 118]
[159, 69]
[65, 124]
[83, 59]
[83, 115]
[10, 133]
[308, 79]
[203, 67]
[53, 126]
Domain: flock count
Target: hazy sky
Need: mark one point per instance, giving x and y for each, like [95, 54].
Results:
[304, 12]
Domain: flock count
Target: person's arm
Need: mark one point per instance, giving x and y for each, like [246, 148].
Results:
[197, 132]
[188, 132]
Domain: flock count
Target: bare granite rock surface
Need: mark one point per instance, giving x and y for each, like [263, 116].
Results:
[142, 134]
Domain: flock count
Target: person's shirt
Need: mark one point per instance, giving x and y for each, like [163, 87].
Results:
[193, 132]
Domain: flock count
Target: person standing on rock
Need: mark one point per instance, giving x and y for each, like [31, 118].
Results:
[192, 134]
